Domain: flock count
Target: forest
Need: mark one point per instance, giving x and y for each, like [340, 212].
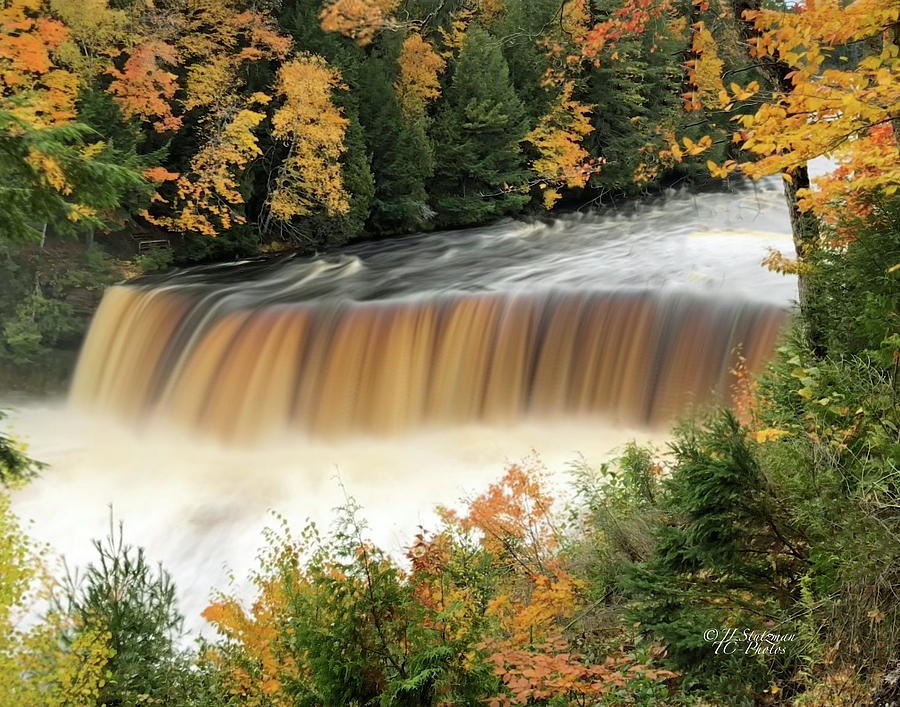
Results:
[216, 131]
[137, 135]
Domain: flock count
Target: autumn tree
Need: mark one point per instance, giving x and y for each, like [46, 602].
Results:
[361, 20]
[300, 19]
[418, 81]
[812, 101]
[313, 129]
[215, 43]
[55, 170]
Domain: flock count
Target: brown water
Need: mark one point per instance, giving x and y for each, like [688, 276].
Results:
[404, 373]
[622, 316]
[393, 365]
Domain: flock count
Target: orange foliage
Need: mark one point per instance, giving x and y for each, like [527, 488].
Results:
[869, 163]
[265, 666]
[361, 20]
[551, 670]
[159, 174]
[633, 18]
[144, 89]
[32, 85]
[537, 597]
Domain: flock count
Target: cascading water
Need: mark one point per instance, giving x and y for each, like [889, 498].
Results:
[388, 366]
[205, 397]
[578, 317]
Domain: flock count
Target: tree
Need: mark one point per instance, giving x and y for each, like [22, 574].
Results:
[817, 102]
[54, 170]
[15, 465]
[216, 43]
[477, 133]
[122, 597]
[360, 20]
[418, 82]
[557, 139]
[313, 128]
[402, 153]
[725, 555]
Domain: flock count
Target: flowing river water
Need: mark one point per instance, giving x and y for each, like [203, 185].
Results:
[404, 373]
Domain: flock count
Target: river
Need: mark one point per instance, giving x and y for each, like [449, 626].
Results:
[404, 373]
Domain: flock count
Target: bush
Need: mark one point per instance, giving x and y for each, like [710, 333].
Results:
[121, 595]
[855, 299]
[154, 260]
[36, 326]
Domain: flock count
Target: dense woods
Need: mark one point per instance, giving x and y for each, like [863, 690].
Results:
[211, 130]
[227, 128]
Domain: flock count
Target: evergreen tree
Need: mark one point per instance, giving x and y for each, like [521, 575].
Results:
[122, 594]
[633, 97]
[402, 157]
[522, 25]
[476, 135]
[62, 176]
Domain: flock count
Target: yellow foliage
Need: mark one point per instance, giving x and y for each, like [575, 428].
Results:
[313, 128]
[35, 669]
[490, 10]
[557, 139]
[50, 172]
[96, 33]
[576, 20]
[418, 82]
[208, 82]
[361, 20]
[206, 197]
[769, 434]
[708, 67]
[454, 38]
[828, 111]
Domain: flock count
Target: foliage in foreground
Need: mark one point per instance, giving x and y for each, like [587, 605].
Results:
[781, 517]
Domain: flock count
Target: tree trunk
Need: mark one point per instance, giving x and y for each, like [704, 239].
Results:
[805, 230]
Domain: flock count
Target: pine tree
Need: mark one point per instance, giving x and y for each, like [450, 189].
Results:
[635, 95]
[476, 136]
[402, 158]
[58, 176]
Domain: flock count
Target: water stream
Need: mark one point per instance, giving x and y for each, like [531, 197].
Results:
[404, 373]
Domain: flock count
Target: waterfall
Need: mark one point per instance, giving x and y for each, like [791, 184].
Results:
[329, 368]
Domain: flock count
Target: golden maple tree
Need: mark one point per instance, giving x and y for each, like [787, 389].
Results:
[312, 127]
[361, 20]
[418, 82]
